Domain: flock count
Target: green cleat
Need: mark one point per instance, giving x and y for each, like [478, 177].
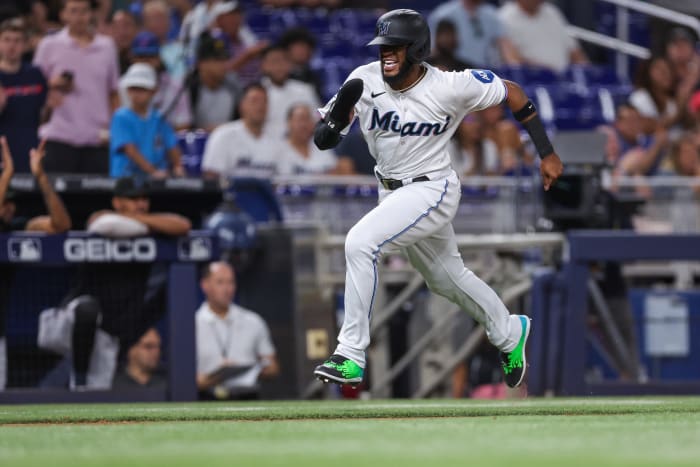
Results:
[340, 370]
[513, 363]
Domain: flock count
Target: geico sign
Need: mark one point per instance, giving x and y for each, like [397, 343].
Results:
[103, 249]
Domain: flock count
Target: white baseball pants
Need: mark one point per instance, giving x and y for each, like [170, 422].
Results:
[416, 218]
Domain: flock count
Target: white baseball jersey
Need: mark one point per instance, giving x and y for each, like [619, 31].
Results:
[408, 132]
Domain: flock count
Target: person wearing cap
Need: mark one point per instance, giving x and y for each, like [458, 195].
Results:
[114, 304]
[245, 48]
[197, 21]
[214, 92]
[131, 214]
[157, 19]
[82, 65]
[171, 98]
[143, 143]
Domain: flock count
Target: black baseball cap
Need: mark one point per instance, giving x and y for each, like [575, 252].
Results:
[213, 45]
[130, 187]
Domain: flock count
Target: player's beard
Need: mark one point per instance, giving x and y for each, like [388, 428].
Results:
[403, 72]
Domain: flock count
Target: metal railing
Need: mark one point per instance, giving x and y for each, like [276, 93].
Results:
[621, 43]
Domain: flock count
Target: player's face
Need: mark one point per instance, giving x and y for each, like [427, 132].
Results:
[128, 206]
[395, 65]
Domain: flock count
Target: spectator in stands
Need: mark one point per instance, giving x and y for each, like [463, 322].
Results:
[23, 92]
[143, 361]
[245, 48]
[684, 59]
[538, 31]
[123, 30]
[505, 135]
[57, 221]
[481, 40]
[654, 96]
[83, 66]
[243, 147]
[172, 98]
[39, 25]
[353, 148]
[685, 156]
[282, 91]
[214, 93]
[629, 150]
[194, 24]
[445, 48]
[298, 153]
[474, 153]
[143, 143]
[157, 20]
[229, 336]
[301, 45]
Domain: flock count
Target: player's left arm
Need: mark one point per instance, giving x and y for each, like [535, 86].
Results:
[525, 112]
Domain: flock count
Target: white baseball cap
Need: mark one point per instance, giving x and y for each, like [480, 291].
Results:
[140, 75]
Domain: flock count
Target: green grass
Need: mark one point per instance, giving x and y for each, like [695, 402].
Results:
[538, 432]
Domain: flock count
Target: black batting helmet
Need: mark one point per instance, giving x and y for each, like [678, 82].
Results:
[404, 27]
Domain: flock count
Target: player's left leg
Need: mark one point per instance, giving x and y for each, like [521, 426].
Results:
[438, 260]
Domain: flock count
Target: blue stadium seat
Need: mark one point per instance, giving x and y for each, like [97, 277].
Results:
[528, 75]
[192, 146]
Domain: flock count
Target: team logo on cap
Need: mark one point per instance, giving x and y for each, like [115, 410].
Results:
[383, 28]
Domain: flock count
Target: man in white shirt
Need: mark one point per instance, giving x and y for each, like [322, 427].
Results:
[234, 348]
[538, 31]
[282, 91]
[243, 148]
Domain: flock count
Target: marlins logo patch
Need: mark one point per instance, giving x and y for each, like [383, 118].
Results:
[485, 76]
[383, 28]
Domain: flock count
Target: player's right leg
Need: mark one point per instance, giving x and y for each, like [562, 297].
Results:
[438, 260]
[403, 217]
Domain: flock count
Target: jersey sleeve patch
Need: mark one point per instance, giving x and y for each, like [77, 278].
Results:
[485, 76]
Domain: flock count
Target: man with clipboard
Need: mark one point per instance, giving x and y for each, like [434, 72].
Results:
[234, 348]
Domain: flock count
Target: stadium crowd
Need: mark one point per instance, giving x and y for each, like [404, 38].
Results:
[112, 87]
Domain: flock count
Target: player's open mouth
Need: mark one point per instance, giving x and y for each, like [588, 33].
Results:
[389, 65]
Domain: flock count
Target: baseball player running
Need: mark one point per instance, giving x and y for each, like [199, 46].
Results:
[408, 111]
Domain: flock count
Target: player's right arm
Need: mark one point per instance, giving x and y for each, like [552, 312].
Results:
[327, 133]
[525, 112]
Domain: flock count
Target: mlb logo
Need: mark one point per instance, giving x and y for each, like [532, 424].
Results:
[194, 249]
[26, 250]
[383, 28]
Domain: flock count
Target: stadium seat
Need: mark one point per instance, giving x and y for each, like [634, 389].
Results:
[192, 146]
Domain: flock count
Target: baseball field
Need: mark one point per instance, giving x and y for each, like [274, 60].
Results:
[597, 432]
